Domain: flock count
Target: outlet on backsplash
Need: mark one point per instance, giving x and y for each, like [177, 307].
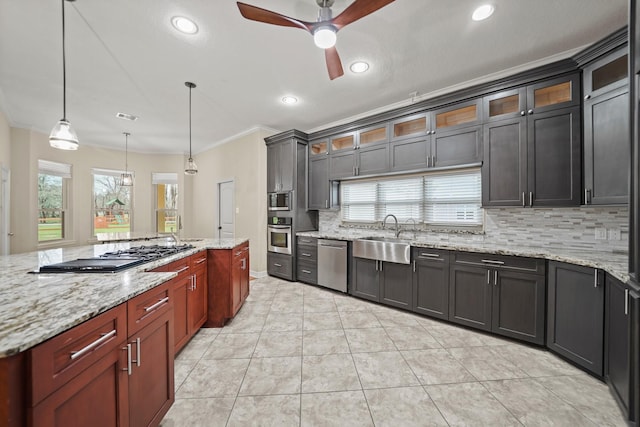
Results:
[601, 234]
[614, 234]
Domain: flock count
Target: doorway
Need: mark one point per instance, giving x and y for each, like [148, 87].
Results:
[226, 210]
[5, 232]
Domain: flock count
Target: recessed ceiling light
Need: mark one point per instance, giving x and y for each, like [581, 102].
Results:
[359, 67]
[126, 116]
[482, 12]
[289, 100]
[184, 25]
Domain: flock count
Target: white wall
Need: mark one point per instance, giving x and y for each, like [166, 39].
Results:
[5, 141]
[243, 160]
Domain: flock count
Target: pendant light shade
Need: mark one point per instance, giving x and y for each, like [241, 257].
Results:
[62, 135]
[190, 167]
[126, 179]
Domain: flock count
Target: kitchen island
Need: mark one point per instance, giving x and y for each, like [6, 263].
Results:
[39, 308]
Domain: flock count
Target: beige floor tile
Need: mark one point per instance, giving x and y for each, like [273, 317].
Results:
[318, 321]
[436, 366]
[244, 324]
[384, 369]
[331, 372]
[359, 319]
[321, 342]
[264, 411]
[347, 303]
[283, 322]
[273, 344]
[214, 378]
[537, 362]
[227, 346]
[272, 375]
[411, 338]
[469, 404]
[197, 347]
[181, 370]
[344, 409]
[485, 363]
[403, 406]
[450, 336]
[534, 405]
[316, 292]
[393, 318]
[319, 306]
[198, 412]
[368, 340]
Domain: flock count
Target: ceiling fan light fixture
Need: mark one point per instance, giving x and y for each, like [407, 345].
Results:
[359, 67]
[184, 25]
[483, 12]
[325, 36]
[63, 137]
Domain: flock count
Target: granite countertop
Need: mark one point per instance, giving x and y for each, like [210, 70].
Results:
[36, 307]
[615, 263]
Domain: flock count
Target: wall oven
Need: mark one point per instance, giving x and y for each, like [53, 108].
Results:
[279, 201]
[279, 235]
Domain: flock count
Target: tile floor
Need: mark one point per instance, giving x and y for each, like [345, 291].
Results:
[299, 355]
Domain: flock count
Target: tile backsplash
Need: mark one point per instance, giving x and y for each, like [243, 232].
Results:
[566, 228]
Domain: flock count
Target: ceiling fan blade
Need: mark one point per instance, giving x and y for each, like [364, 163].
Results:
[268, 17]
[357, 10]
[334, 66]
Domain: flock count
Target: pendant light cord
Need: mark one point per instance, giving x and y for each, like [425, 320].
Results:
[64, 71]
[126, 152]
[190, 156]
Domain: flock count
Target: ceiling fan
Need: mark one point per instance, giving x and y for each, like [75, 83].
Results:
[324, 29]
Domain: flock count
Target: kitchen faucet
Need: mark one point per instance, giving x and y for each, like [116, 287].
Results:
[384, 222]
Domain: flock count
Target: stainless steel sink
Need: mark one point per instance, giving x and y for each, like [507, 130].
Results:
[383, 249]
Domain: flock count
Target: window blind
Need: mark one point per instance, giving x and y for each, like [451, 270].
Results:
[400, 197]
[48, 167]
[359, 201]
[453, 198]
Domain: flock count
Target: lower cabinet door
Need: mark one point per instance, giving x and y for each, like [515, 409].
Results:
[151, 383]
[519, 305]
[198, 301]
[617, 333]
[97, 397]
[365, 279]
[575, 322]
[181, 293]
[431, 289]
[470, 296]
[236, 285]
[395, 285]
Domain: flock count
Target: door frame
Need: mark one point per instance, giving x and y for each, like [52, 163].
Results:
[219, 225]
[5, 211]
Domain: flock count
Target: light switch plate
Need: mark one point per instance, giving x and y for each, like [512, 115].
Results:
[601, 234]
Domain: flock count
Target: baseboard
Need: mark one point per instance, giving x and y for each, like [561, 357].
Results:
[257, 274]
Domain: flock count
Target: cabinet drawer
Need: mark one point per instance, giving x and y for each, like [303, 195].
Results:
[307, 253]
[198, 260]
[308, 272]
[531, 265]
[308, 241]
[240, 250]
[180, 266]
[428, 254]
[63, 357]
[147, 307]
[280, 265]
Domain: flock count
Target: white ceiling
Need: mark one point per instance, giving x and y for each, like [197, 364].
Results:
[124, 56]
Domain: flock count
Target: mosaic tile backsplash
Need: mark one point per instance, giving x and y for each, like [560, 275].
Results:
[565, 228]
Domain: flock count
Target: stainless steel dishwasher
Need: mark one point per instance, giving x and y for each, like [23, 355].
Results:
[332, 264]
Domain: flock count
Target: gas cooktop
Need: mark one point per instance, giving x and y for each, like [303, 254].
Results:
[111, 262]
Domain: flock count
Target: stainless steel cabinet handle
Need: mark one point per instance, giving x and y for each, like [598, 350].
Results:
[306, 254]
[244, 264]
[488, 277]
[523, 202]
[156, 305]
[530, 111]
[522, 113]
[306, 271]
[414, 265]
[195, 282]
[490, 261]
[137, 361]
[381, 264]
[326, 204]
[626, 301]
[103, 338]
[495, 277]
[201, 260]
[128, 368]
[182, 269]
[277, 265]
[429, 255]
[530, 198]
[595, 278]
[587, 97]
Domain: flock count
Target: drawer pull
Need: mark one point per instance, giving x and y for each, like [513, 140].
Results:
[182, 269]
[490, 261]
[277, 265]
[156, 305]
[201, 260]
[104, 338]
[238, 253]
[137, 352]
[128, 368]
[243, 264]
[306, 271]
[429, 255]
[306, 254]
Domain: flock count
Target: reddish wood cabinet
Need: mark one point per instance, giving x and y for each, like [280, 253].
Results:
[228, 278]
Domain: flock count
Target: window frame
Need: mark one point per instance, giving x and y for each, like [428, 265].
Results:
[116, 174]
[64, 172]
[165, 178]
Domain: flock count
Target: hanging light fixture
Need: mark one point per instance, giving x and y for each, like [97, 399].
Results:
[126, 179]
[62, 135]
[190, 168]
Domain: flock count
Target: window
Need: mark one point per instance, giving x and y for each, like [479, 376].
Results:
[166, 193]
[112, 203]
[53, 182]
[451, 198]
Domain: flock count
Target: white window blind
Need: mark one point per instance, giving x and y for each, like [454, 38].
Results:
[453, 198]
[48, 167]
[109, 172]
[164, 178]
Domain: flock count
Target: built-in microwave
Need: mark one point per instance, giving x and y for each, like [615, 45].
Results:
[279, 235]
[279, 201]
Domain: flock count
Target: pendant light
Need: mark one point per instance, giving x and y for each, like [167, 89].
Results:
[190, 168]
[62, 135]
[126, 179]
